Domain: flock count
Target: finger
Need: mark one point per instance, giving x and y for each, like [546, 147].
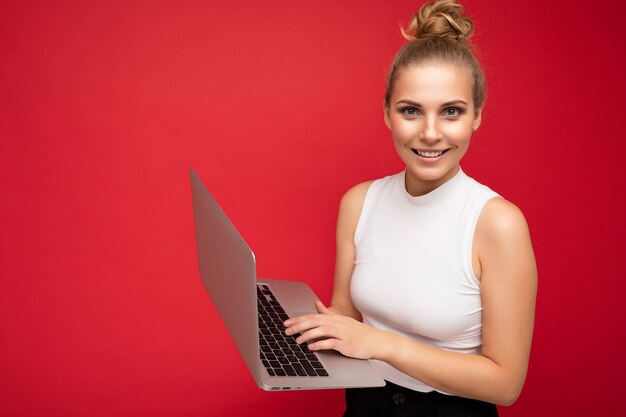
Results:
[324, 344]
[310, 321]
[314, 334]
[321, 308]
[299, 319]
[299, 326]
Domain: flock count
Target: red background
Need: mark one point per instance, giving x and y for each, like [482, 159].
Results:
[104, 106]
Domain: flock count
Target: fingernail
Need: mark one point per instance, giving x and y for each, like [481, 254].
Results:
[287, 323]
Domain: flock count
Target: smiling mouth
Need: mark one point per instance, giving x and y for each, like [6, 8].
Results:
[429, 154]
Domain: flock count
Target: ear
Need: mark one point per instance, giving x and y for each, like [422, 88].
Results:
[386, 116]
[477, 118]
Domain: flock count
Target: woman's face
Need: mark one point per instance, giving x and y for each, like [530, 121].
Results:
[431, 116]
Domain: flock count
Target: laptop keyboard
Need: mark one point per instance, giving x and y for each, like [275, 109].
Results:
[280, 354]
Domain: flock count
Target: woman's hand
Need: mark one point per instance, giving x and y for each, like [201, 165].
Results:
[328, 330]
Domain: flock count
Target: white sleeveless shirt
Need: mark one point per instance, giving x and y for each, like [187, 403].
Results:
[413, 272]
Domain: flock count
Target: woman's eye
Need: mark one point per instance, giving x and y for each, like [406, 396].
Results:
[410, 111]
[452, 112]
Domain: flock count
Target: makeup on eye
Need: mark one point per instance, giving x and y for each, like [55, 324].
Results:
[448, 113]
[456, 112]
[409, 111]
[448, 110]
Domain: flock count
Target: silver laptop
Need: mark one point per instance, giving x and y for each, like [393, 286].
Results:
[253, 310]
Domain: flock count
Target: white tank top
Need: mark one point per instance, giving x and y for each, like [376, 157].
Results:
[413, 272]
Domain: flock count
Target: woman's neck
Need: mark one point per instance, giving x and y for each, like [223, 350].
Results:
[417, 187]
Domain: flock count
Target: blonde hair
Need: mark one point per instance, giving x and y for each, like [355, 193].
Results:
[439, 32]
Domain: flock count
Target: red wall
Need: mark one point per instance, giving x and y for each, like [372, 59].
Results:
[105, 105]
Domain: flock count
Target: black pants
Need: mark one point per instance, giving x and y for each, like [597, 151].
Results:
[395, 401]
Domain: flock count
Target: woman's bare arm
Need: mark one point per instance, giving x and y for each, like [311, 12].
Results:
[349, 212]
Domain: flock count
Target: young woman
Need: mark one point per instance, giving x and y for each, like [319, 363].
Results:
[435, 277]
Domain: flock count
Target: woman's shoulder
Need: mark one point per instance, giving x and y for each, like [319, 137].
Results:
[356, 194]
[353, 202]
[501, 222]
[502, 242]
[353, 199]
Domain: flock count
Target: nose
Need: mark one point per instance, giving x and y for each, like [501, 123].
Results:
[430, 132]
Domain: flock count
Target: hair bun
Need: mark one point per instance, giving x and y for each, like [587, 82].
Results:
[441, 19]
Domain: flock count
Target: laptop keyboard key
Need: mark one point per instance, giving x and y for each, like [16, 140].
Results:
[289, 370]
[275, 364]
[308, 368]
[299, 369]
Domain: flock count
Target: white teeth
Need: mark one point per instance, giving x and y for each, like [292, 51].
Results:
[429, 154]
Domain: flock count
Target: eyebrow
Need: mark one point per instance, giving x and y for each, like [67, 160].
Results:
[447, 103]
